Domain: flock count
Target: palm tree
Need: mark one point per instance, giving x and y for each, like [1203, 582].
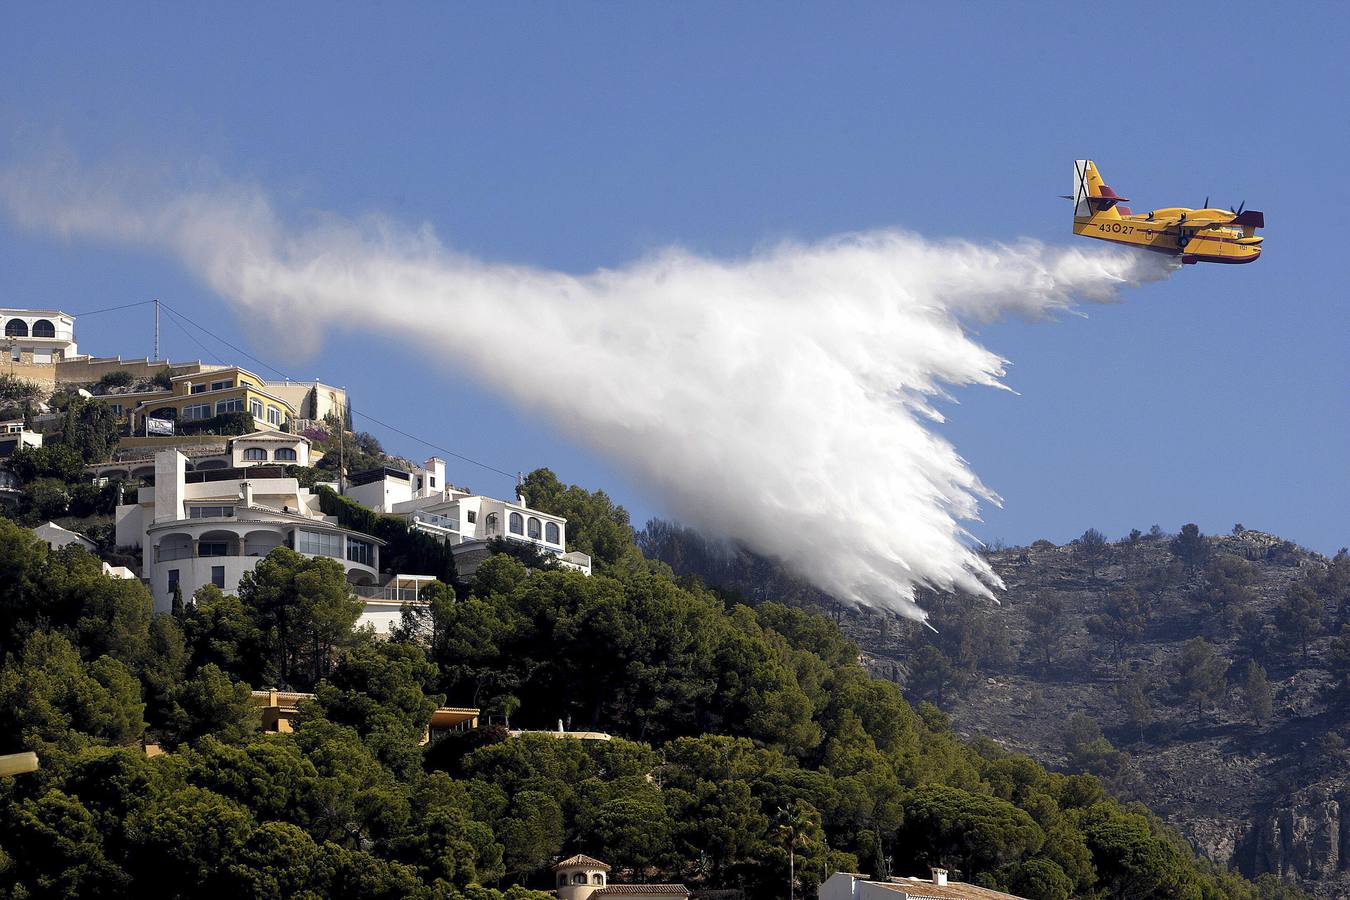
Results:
[792, 827]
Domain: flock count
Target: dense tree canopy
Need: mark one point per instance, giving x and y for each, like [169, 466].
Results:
[740, 734]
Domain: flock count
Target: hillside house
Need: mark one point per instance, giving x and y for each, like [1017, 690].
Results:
[210, 527]
[57, 537]
[14, 435]
[849, 886]
[313, 401]
[582, 877]
[206, 452]
[199, 396]
[466, 521]
[277, 711]
[38, 336]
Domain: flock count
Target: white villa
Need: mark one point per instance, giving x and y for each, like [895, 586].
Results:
[57, 537]
[465, 521]
[15, 435]
[258, 448]
[210, 527]
[850, 886]
[39, 336]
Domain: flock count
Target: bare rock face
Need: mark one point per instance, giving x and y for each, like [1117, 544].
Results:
[1307, 836]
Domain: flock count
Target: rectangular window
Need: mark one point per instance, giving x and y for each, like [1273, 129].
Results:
[210, 512]
[218, 576]
[433, 480]
[318, 543]
[362, 552]
[117, 409]
[273, 415]
[16, 354]
[199, 411]
[213, 548]
[221, 385]
[199, 389]
[255, 408]
[229, 406]
[173, 580]
[472, 516]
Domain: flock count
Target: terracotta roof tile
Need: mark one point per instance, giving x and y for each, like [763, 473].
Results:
[674, 890]
[582, 859]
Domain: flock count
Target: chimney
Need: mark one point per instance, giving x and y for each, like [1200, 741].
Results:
[435, 470]
[939, 877]
[170, 485]
[247, 492]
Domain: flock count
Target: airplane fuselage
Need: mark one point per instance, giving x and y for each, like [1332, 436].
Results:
[1159, 231]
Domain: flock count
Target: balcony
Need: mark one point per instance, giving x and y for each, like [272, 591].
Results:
[399, 589]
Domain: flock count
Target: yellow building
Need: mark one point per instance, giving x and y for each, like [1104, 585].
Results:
[202, 395]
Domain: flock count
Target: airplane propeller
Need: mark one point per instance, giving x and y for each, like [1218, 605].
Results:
[1206, 206]
[1238, 211]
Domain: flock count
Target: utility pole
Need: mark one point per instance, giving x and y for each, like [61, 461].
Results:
[342, 450]
[156, 329]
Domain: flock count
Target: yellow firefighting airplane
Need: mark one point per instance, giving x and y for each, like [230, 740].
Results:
[1196, 235]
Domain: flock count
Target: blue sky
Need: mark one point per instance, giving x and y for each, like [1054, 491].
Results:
[576, 136]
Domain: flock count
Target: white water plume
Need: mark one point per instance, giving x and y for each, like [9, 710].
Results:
[784, 399]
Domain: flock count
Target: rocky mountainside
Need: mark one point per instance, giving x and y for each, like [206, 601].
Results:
[1204, 676]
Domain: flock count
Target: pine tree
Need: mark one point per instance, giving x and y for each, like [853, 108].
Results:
[1138, 709]
[1199, 674]
[1299, 617]
[1190, 546]
[1256, 691]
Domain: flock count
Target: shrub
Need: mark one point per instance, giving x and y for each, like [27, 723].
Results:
[163, 379]
[115, 379]
[48, 461]
[225, 423]
[48, 498]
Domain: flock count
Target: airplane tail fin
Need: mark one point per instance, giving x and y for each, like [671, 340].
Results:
[1091, 195]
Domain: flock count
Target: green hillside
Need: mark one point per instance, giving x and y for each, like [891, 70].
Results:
[737, 729]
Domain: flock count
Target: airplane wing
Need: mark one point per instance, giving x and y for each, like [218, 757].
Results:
[1206, 219]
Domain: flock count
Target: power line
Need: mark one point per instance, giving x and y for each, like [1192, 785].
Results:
[94, 312]
[206, 351]
[225, 342]
[424, 441]
[174, 314]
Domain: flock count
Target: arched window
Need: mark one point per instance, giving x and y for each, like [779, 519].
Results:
[579, 878]
[517, 523]
[16, 328]
[597, 878]
[532, 529]
[255, 453]
[284, 453]
[43, 328]
[551, 532]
